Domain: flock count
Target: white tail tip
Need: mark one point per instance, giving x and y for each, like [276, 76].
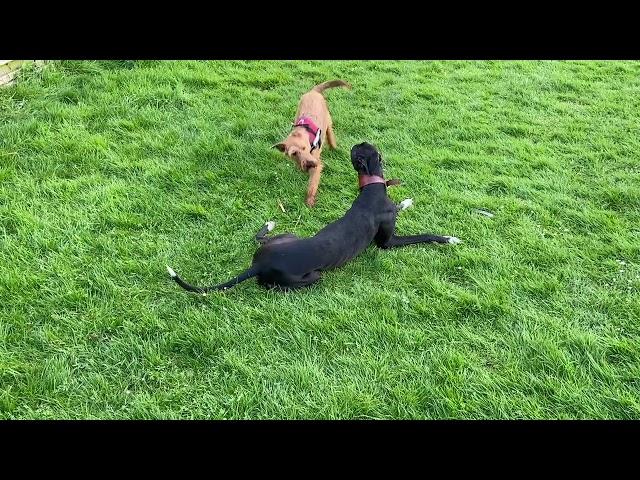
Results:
[406, 203]
[270, 225]
[171, 272]
[453, 240]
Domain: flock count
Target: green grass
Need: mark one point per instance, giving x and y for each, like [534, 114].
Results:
[111, 170]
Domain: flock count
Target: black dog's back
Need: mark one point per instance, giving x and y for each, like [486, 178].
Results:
[288, 262]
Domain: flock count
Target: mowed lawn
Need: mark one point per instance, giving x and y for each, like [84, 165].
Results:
[111, 170]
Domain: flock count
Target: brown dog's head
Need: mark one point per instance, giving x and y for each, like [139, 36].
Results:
[366, 159]
[297, 146]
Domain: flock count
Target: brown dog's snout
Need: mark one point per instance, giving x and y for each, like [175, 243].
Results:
[307, 164]
[305, 160]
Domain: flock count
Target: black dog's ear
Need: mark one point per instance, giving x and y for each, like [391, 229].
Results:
[362, 163]
[280, 146]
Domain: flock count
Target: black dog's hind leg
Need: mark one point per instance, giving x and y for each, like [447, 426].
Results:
[261, 236]
[386, 239]
[304, 280]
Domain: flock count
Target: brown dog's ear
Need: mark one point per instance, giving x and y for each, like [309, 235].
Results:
[280, 146]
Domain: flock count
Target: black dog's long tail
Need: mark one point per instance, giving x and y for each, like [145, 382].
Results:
[251, 272]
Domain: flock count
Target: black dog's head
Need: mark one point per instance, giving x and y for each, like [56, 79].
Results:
[366, 159]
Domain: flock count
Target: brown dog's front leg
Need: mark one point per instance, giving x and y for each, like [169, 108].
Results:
[314, 181]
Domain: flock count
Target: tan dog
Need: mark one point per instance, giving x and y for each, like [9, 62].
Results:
[312, 126]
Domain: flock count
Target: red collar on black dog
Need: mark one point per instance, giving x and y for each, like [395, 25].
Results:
[364, 180]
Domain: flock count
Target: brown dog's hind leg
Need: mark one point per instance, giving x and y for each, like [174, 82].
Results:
[331, 138]
[314, 181]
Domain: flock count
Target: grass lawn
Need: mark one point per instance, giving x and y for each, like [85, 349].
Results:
[111, 170]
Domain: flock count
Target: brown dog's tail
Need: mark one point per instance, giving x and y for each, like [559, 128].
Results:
[331, 84]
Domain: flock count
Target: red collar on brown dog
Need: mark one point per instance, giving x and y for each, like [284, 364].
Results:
[364, 180]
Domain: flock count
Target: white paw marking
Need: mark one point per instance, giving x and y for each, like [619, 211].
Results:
[453, 240]
[270, 225]
[171, 272]
[406, 203]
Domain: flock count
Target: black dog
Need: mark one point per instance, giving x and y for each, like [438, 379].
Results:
[287, 261]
